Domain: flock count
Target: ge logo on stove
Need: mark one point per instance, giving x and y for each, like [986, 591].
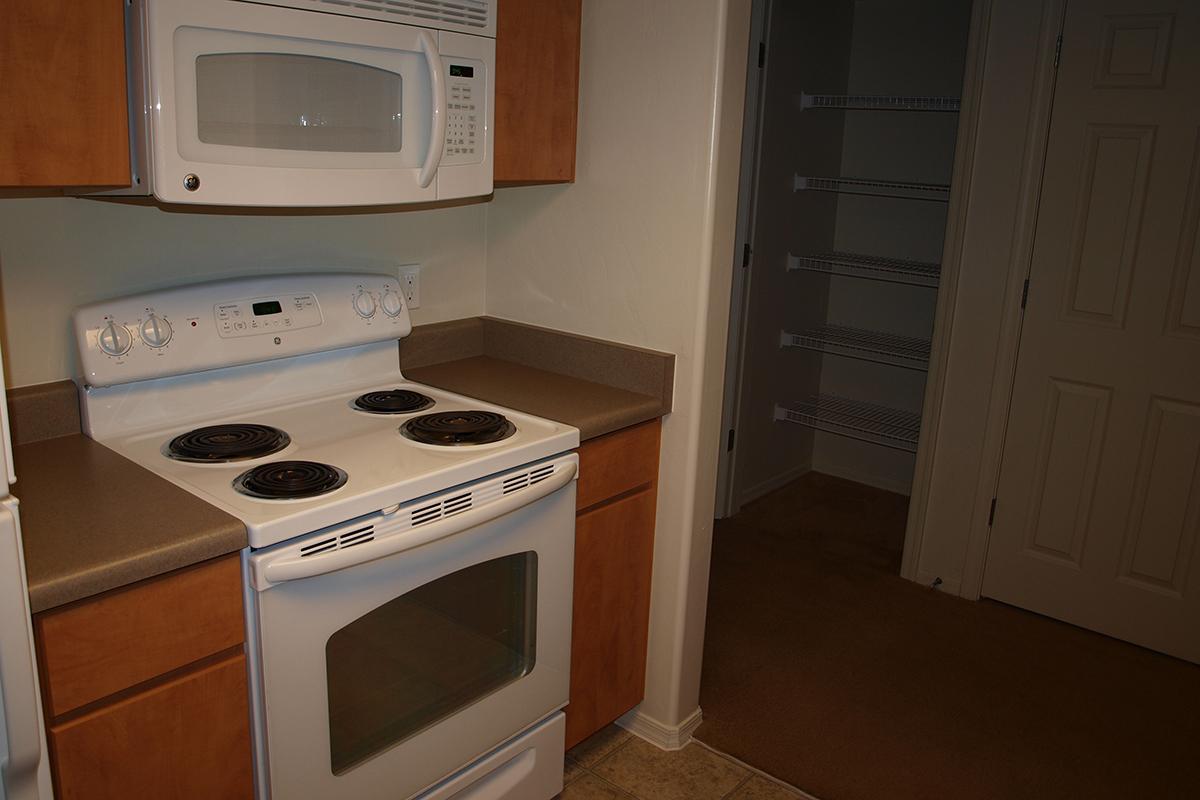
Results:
[278, 340]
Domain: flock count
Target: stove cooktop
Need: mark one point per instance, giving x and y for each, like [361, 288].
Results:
[336, 462]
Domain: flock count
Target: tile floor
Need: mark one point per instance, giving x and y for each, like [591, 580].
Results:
[615, 765]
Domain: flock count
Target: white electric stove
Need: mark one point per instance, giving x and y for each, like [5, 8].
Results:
[408, 579]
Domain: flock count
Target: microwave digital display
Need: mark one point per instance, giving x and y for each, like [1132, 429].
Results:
[267, 307]
[459, 71]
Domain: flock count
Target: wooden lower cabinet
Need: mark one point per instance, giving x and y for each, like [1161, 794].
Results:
[614, 558]
[187, 738]
[145, 689]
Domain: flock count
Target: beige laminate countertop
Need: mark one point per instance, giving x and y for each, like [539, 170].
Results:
[593, 408]
[92, 520]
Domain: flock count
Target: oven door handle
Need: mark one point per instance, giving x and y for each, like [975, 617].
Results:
[437, 110]
[297, 567]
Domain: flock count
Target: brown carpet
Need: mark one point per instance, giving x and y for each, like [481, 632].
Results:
[825, 669]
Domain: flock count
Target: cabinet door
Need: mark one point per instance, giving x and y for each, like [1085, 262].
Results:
[187, 738]
[537, 90]
[614, 552]
[62, 91]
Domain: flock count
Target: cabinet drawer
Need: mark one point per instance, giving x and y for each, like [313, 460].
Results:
[188, 738]
[614, 556]
[616, 463]
[100, 646]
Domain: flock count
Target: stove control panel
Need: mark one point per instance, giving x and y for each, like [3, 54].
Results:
[259, 315]
[228, 323]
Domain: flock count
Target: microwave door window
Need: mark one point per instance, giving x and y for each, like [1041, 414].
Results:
[283, 101]
[428, 654]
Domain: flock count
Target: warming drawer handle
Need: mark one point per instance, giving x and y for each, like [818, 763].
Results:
[437, 110]
[18, 688]
[296, 567]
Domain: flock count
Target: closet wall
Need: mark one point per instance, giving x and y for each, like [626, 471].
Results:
[806, 41]
[836, 349]
[899, 48]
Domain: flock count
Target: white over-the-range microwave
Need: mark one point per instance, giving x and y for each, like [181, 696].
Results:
[310, 102]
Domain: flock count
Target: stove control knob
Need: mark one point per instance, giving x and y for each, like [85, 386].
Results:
[114, 339]
[364, 304]
[391, 303]
[156, 331]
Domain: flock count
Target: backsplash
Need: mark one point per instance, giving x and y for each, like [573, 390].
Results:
[59, 253]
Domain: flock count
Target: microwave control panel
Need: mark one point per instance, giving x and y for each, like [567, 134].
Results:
[465, 112]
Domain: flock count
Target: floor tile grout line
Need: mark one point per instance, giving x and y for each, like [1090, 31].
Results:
[755, 770]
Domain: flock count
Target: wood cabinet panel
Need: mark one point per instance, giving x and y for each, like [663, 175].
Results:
[537, 90]
[614, 556]
[94, 648]
[188, 738]
[617, 462]
[62, 91]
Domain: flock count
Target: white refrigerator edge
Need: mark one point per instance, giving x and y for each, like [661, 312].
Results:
[24, 764]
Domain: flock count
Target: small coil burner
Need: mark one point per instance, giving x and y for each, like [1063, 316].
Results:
[393, 401]
[289, 480]
[221, 443]
[458, 428]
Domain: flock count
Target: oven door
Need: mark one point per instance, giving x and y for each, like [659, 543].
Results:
[251, 104]
[391, 652]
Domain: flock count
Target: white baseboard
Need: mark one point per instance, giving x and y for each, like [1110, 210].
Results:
[661, 735]
[899, 486]
[771, 484]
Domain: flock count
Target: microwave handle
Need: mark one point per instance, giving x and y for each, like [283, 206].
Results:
[296, 567]
[437, 112]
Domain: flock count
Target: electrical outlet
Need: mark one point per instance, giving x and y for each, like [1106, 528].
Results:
[410, 284]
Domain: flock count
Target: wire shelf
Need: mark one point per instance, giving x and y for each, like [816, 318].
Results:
[875, 268]
[904, 190]
[866, 422]
[876, 102]
[868, 345]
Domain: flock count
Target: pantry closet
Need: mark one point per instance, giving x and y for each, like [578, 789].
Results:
[853, 117]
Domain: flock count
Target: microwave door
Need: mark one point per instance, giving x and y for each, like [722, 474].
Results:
[263, 109]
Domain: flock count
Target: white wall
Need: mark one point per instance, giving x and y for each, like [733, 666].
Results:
[58, 253]
[631, 253]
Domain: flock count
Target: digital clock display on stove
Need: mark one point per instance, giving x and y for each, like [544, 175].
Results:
[267, 307]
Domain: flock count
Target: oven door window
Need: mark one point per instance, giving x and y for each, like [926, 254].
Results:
[429, 653]
[283, 101]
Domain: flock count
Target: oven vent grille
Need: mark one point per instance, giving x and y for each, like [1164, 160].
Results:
[469, 16]
[442, 508]
[515, 482]
[348, 539]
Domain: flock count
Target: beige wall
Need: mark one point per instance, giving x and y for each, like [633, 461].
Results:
[631, 253]
[58, 253]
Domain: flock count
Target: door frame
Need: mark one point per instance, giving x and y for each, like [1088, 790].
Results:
[726, 503]
[946, 348]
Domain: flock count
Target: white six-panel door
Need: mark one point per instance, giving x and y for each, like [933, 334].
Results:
[1098, 508]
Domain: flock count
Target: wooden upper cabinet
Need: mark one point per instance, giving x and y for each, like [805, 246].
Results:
[62, 91]
[537, 90]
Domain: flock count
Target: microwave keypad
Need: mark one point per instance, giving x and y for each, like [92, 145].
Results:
[463, 123]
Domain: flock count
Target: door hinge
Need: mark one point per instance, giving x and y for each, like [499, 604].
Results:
[745, 255]
[1057, 50]
[992, 513]
[729, 441]
[762, 54]
[1025, 294]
